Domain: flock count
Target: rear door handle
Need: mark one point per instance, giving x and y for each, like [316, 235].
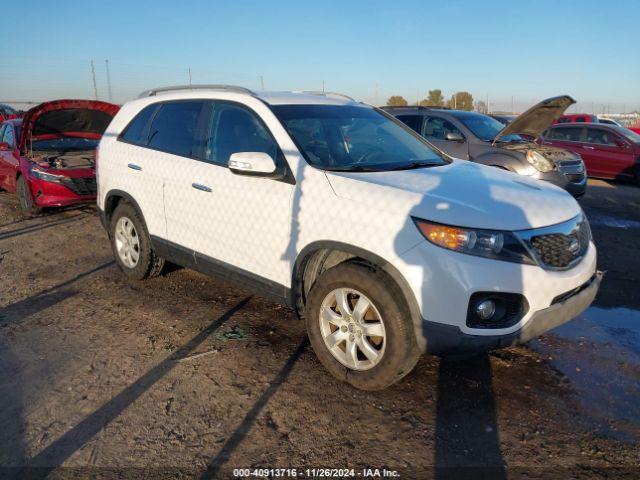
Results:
[588, 148]
[133, 166]
[201, 187]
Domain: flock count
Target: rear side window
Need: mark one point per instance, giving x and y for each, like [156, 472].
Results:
[565, 134]
[137, 131]
[173, 129]
[412, 121]
[235, 129]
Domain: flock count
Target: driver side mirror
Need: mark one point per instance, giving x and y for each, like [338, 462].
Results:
[454, 137]
[5, 147]
[252, 163]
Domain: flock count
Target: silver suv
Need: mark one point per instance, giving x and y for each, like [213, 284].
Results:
[483, 139]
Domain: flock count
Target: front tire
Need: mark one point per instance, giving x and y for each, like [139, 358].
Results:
[359, 329]
[131, 244]
[24, 196]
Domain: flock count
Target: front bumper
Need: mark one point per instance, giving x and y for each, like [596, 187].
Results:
[448, 339]
[58, 194]
[575, 184]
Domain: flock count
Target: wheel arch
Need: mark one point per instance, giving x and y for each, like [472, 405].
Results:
[319, 256]
[111, 201]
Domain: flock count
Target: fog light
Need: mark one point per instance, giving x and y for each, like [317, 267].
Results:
[485, 309]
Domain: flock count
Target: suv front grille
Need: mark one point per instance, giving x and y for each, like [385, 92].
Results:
[81, 186]
[560, 250]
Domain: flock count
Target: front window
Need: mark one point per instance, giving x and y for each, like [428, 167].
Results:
[354, 138]
[485, 127]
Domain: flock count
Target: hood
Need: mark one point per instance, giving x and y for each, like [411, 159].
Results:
[66, 118]
[538, 118]
[462, 194]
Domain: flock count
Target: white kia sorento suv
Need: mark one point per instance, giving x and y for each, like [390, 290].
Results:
[383, 244]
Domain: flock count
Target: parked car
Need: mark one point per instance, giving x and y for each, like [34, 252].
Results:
[503, 118]
[635, 129]
[48, 157]
[482, 139]
[608, 151]
[7, 112]
[384, 245]
[577, 118]
[608, 121]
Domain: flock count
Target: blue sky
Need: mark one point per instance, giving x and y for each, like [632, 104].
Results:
[368, 49]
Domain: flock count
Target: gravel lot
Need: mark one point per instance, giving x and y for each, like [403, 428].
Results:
[103, 376]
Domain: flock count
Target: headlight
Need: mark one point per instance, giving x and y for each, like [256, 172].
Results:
[482, 243]
[40, 174]
[539, 162]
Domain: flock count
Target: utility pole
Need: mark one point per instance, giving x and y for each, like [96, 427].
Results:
[189, 76]
[322, 86]
[262, 82]
[376, 96]
[488, 109]
[108, 80]
[512, 110]
[93, 75]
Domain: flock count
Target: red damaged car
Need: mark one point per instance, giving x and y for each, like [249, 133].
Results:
[48, 157]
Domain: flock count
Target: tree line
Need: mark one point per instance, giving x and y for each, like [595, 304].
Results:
[458, 101]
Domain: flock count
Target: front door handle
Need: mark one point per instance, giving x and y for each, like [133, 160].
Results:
[202, 188]
[588, 148]
[133, 166]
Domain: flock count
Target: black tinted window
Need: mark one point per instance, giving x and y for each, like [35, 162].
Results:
[136, 131]
[174, 127]
[234, 129]
[412, 121]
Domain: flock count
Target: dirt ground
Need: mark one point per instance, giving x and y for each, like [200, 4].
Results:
[103, 377]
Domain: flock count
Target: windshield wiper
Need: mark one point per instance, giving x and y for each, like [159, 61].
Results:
[352, 168]
[413, 165]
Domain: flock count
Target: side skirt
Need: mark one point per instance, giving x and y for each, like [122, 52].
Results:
[224, 271]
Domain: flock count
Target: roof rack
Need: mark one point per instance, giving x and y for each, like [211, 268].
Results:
[419, 107]
[227, 88]
[327, 94]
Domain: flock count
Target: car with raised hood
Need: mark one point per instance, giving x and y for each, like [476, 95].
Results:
[48, 157]
[483, 139]
[385, 246]
[608, 151]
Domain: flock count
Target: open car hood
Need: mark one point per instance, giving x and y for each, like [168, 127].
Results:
[538, 118]
[66, 118]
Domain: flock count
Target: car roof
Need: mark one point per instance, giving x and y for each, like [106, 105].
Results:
[271, 98]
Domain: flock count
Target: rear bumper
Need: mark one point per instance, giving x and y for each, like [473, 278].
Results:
[448, 339]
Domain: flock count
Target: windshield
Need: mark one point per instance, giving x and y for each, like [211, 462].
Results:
[337, 137]
[485, 127]
[628, 134]
[64, 144]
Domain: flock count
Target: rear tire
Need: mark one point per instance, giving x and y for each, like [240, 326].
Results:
[381, 355]
[24, 196]
[131, 244]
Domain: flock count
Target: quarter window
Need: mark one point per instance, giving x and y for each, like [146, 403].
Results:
[436, 128]
[234, 129]
[173, 128]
